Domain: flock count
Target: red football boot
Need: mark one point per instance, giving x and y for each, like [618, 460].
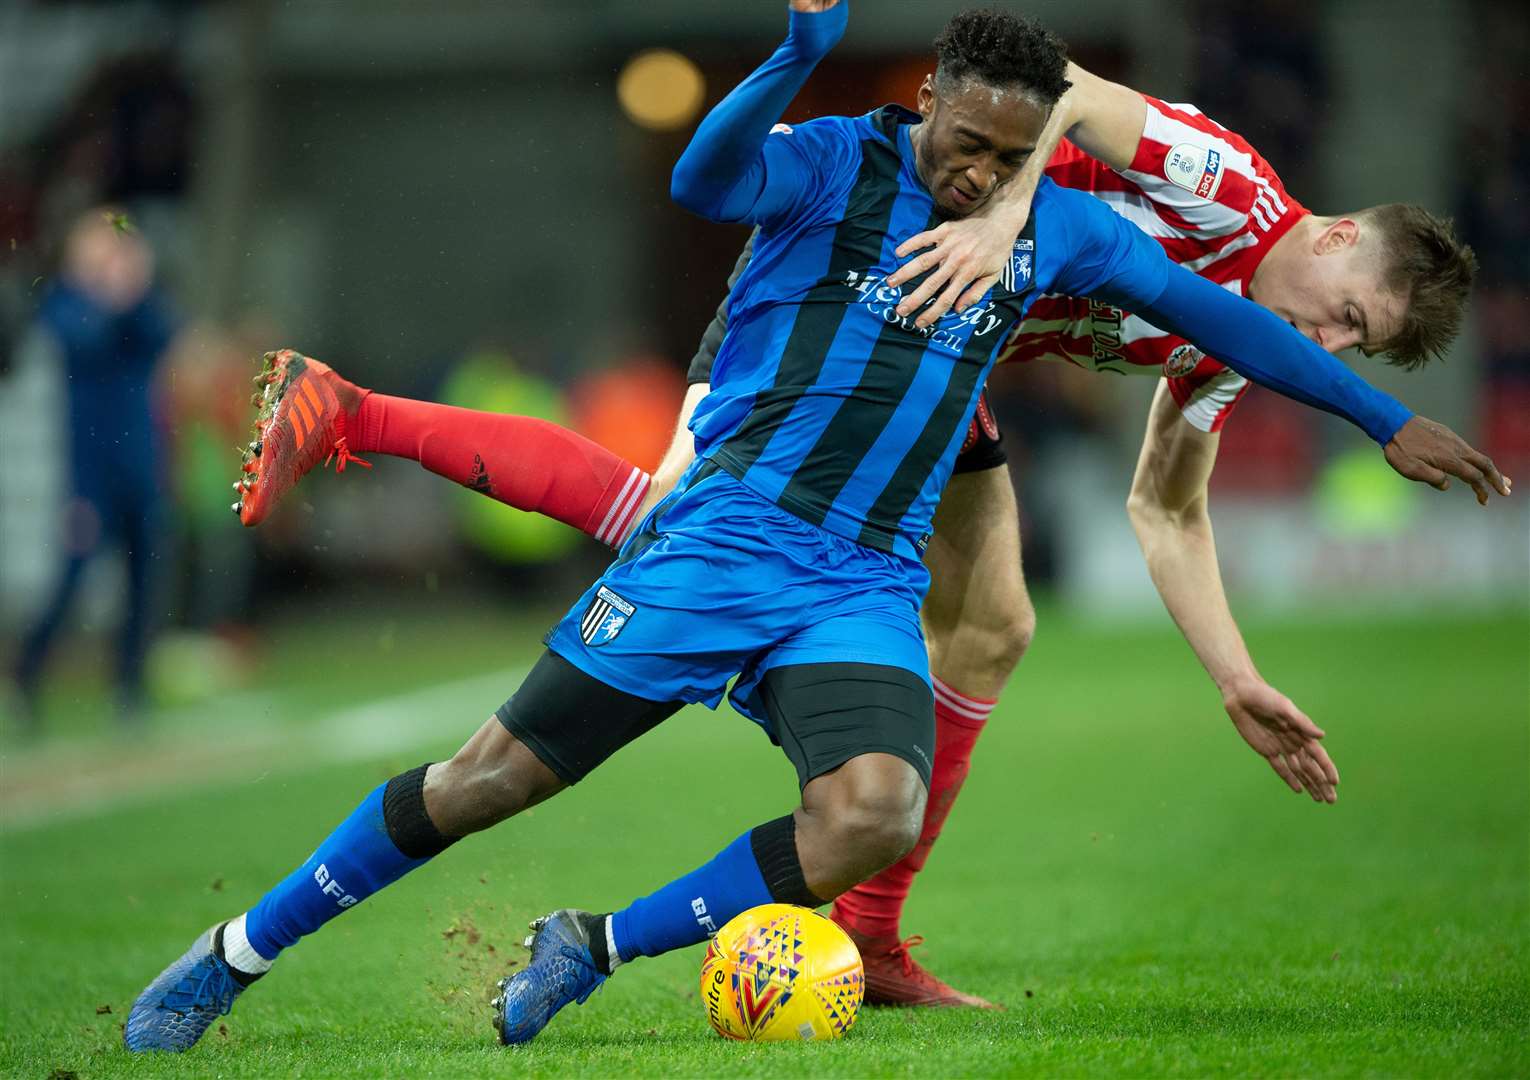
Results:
[894, 977]
[302, 409]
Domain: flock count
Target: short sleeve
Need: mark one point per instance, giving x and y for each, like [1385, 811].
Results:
[1207, 394]
[1200, 176]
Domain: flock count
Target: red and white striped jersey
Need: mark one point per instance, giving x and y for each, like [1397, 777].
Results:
[1214, 204]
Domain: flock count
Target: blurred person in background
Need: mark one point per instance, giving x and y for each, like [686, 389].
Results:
[111, 326]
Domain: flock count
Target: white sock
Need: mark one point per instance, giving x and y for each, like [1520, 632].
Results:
[238, 951]
[613, 958]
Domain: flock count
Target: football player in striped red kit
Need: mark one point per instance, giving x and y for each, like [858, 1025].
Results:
[1389, 279]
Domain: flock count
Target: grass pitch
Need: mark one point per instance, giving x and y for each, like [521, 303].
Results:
[1132, 882]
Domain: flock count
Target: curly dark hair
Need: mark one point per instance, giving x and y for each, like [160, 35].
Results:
[1004, 50]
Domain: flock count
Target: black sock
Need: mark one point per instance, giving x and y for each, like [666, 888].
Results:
[243, 978]
[409, 826]
[775, 848]
[595, 930]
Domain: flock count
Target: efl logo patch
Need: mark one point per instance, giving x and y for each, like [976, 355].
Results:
[1197, 169]
[607, 614]
[1017, 275]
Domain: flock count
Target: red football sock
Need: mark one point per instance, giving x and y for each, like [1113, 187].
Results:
[874, 907]
[527, 463]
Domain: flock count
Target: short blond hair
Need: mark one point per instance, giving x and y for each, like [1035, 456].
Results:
[1427, 265]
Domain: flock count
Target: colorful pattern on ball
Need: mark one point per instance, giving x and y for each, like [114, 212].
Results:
[780, 972]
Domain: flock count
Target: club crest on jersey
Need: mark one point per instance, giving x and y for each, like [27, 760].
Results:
[1197, 169]
[1017, 275]
[608, 613]
[1182, 361]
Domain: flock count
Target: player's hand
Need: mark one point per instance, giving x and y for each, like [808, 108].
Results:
[1282, 734]
[811, 6]
[965, 259]
[1431, 453]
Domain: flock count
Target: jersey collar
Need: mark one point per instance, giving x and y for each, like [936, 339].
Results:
[889, 118]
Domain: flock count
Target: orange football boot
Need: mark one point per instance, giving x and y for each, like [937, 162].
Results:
[894, 977]
[302, 409]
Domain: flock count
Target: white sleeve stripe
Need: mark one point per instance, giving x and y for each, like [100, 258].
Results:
[1269, 207]
[1209, 401]
[1258, 215]
[1270, 193]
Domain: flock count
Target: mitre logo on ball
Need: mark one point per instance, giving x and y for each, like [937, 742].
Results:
[778, 973]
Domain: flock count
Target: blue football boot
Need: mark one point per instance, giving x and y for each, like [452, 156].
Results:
[560, 970]
[178, 1006]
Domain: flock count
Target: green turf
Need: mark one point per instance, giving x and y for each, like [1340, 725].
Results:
[1131, 881]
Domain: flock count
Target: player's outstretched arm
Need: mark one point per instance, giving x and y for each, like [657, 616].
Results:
[723, 174]
[966, 257]
[1168, 511]
[1257, 345]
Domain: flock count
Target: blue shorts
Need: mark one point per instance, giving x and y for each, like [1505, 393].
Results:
[718, 581]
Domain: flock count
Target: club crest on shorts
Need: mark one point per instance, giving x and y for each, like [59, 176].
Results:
[606, 616]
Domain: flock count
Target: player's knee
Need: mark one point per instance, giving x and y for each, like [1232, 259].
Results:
[1004, 637]
[1017, 632]
[473, 794]
[883, 832]
[873, 825]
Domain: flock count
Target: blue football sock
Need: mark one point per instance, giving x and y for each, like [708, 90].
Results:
[352, 863]
[694, 907]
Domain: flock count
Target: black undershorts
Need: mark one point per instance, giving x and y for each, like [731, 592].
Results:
[983, 448]
[821, 715]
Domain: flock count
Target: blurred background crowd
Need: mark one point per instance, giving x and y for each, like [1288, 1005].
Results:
[469, 202]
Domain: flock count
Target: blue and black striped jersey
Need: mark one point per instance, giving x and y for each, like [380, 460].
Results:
[823, 399]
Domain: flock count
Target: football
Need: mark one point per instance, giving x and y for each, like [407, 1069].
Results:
[779, 972]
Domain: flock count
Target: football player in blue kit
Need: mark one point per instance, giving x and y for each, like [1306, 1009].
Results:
[789, 554]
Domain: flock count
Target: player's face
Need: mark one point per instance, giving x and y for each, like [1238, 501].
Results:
[1334, 292]
[973, 139]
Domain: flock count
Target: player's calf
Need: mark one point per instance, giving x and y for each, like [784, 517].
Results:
[493, 777]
